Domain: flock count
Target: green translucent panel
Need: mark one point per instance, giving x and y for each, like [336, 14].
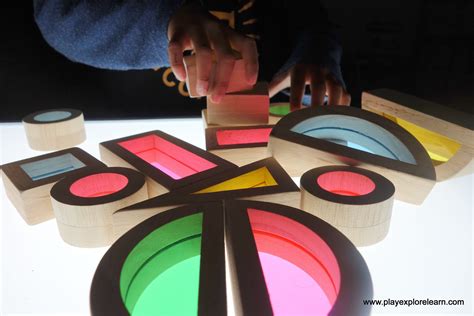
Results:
[174, 292]
[166, 260]
[280, 109]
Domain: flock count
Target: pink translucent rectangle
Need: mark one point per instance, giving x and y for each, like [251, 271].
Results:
[243, 136]
[167, 157]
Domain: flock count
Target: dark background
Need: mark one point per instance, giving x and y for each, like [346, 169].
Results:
[425, 48]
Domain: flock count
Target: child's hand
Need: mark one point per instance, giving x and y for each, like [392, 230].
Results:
[320, 81]
[192, 27]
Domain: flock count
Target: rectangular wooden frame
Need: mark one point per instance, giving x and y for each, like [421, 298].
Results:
[31, 197]
[240, 154]
[159, 182]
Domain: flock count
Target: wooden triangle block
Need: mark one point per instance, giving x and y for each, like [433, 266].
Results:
[168, 162]
[264, 180]
[319, 136]
[243, 107]
[447, 134]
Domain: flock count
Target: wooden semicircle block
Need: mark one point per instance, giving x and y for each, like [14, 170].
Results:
[264, 180]
[447, 134]
[319, 136]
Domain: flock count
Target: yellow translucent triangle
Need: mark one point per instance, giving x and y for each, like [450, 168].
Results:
[439, 147]
[254, 179]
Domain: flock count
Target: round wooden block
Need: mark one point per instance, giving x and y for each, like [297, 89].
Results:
[356, 201]
[54, 129]
[84, 203]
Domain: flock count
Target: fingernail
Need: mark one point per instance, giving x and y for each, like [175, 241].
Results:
[202, 87]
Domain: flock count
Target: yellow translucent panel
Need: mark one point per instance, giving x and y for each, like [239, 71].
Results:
[439, 147]
[257, 178]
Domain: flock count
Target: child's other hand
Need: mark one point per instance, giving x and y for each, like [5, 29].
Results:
[320, 81]
[191, 27]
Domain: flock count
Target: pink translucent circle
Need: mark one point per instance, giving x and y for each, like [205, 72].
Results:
[99, 184]
[346, 183]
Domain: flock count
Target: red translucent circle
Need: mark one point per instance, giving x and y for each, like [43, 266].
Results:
[99, 184]
[346, 183]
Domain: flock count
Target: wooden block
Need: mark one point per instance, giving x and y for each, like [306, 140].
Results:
[327, 135]
[28, 182]
[272, 120]
[83, 203]
[54, 129]
[447, 134]
[237, 81]
[356, 201]
[240, 145]
[236, 245]
[243, 107]
[264, 180]
[192, 235]
[257, 233]
[167, 161]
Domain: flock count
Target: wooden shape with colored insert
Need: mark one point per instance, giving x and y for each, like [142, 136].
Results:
[237, 80]
[171, 264]
[240, 145]
[83, 203]
[28, 182]
[54, 129]
[264, 180]
[193, 259]
[319, 136]
[167, 161]
[356, 201]
[243, 107]
[446, 134]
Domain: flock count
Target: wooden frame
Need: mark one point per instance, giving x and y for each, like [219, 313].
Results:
[242, 107]
[436, 126]
[54, 129]
[30, 196]
[297, 152]
[292, 224]
[356, 201]
[237, 81]
[83, 203]
[105, 297]
[158, 181]
[230, 227]
[239, 144]
[284, 191]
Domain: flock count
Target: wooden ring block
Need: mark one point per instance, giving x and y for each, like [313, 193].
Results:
[54, 129]
[84, 203]
[28, 182]
[243, 107]
[447, 134]
[319, 136]
[237, 81]
[356, 201]
[168, 162]
[240, 145]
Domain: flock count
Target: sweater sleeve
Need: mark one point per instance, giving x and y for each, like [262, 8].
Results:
[110, 34]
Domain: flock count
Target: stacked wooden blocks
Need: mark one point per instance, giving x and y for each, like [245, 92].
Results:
[238, 127]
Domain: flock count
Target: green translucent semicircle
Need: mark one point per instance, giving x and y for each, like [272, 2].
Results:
[166, 261]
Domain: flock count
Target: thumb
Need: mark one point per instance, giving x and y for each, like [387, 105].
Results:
[278, 83]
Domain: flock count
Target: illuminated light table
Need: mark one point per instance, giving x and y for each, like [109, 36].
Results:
[427, 253]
